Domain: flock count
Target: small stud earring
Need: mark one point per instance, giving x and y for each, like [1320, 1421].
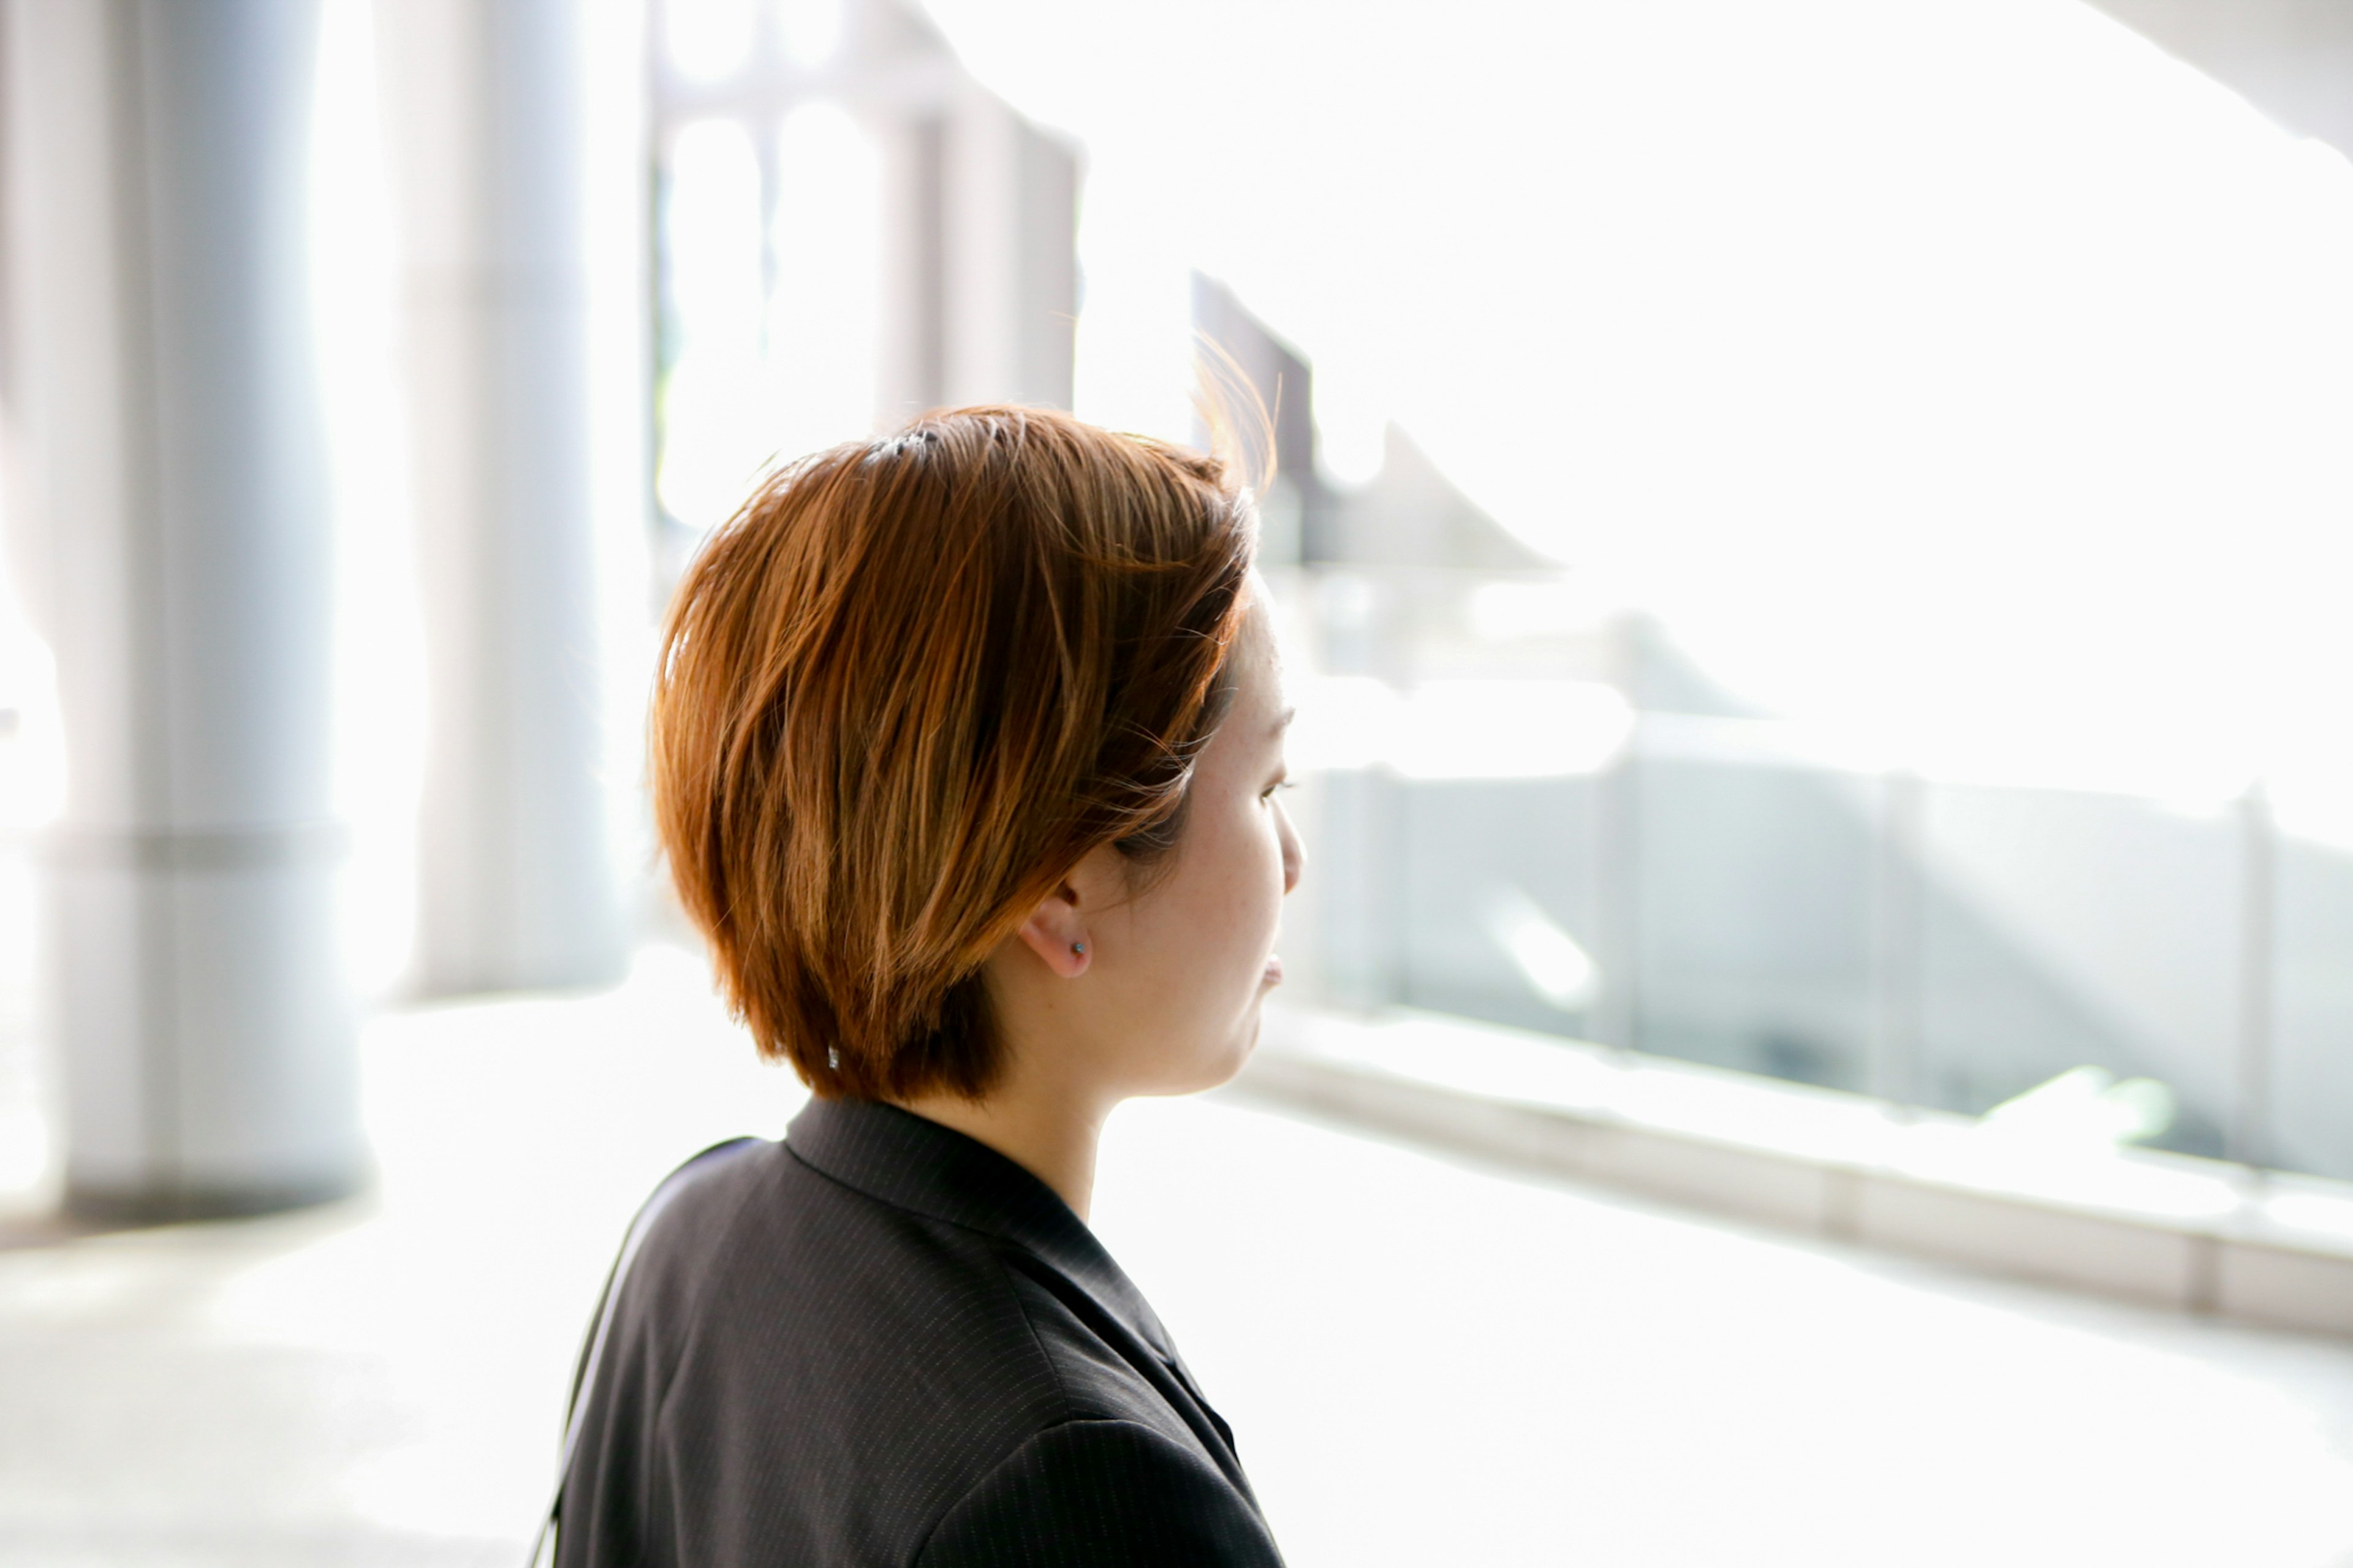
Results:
[1080, 948]
[832, 1058]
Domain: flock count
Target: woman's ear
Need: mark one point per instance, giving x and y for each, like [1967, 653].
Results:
[1061, 929]
[1056, 931]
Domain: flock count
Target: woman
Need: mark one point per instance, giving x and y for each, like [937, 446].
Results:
[966, 750]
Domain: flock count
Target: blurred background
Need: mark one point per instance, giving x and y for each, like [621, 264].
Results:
[1812, 544]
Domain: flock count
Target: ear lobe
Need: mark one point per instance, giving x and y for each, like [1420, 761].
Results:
[1057, 935]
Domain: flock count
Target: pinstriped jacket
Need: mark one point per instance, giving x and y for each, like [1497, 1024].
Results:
[882, 1343]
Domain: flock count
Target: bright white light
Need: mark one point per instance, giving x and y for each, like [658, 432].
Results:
[825, 318]
[709, 38]
[1474, 729]
[1344, 722]
[717, 422]
[2085, 1107]
[1351, 423]
[1500, 612]
[2022, 430]
[1509, 728]
[2329, 1212]
[1548, 957]
[811, 30]
[32, 741]
[713, 235]
[379, 691]
[2316, 806]
[1134, 348]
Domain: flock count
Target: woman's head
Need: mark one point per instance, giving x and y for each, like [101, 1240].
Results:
[914, 687]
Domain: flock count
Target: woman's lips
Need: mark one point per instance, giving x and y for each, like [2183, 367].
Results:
[1274, 969]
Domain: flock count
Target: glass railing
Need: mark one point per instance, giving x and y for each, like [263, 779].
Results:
[1524, 806]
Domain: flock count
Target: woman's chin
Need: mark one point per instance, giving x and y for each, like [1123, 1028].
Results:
[1245, 1041]
[1216, 1069]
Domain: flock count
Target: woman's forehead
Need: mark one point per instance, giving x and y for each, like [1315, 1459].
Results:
[1258, 672]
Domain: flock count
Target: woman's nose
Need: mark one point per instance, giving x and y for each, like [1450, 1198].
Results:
[1294, 857]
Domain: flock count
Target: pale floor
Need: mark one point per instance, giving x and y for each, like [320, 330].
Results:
[1426, 1362]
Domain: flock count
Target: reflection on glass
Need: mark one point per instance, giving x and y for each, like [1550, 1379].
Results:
[2086, 1108]
[1554, 966]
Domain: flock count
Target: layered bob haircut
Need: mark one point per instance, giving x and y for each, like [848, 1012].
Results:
[904, 690]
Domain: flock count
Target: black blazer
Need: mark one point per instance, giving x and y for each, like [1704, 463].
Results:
[882, 1343]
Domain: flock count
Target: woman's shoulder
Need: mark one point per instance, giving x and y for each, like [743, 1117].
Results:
[794, 1279]
[764, 1281]
[776, 1266]
[872, 1356]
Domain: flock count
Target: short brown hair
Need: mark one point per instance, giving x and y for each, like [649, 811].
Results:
[907, 688]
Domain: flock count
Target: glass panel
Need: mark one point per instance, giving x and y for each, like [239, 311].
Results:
[2067, 929]
[1455, 733]
[1489, 842]
[1355, 902]
[2312, 1100]
[1497, 883]
[1753, 889]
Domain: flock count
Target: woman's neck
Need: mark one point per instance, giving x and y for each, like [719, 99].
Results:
[1052, 1135]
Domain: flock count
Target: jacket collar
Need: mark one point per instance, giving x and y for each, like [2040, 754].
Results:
[904, 1160]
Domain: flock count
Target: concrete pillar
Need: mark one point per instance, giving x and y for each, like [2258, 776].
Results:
[166, 431]
[516, 886]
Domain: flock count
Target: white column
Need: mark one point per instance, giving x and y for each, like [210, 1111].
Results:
[516, 886]
[1008, 272]
[166, 431]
